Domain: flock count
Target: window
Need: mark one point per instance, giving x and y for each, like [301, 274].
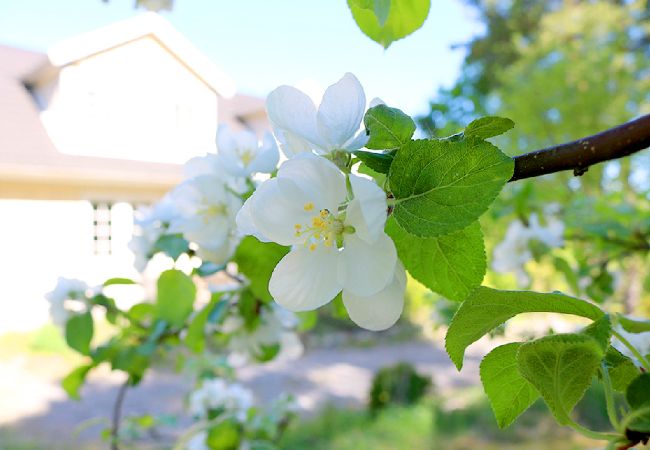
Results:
[102, 229]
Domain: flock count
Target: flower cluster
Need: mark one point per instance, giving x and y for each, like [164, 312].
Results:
[512, 254]
[332, 219]
[70, 296]
[216, 397]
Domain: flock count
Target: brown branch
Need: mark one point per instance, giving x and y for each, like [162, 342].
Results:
[117, 416]
[614, 143]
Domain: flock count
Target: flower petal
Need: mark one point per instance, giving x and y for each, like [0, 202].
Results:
[368, 267]
[367, 211]
[292, 110]
[209, 164]
[291, 143]
[320, 178]
[379, 311]
[245, 224]
[267, 157]
[304, 279]
[340, 112]
[276, 207]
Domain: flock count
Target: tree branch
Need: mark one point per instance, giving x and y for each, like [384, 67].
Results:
[117, 416]
[614, 143]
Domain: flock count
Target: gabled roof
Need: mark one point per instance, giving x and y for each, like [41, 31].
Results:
[148, 24]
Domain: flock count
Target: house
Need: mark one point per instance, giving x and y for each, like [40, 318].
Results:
[99, 124]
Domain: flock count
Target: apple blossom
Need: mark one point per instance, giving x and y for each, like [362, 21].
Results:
[217, 395]
[66, 289]
[242, 154]
[337, 238]
[300, 127]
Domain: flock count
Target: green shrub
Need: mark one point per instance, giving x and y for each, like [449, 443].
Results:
[399, 384]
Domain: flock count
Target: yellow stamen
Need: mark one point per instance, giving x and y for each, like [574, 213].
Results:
[308, 206]
[312, 247]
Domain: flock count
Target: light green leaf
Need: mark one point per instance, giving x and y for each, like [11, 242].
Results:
[112, 281]
[389, 20]
[225, 435]
[257, 260]
[486, 308]
[389, 128]
[622, 369]
[443, 186]
[509, 393]
[560, 367]
[79, 332]
[176, 293]
[452, 265]
[195, 337]
[601, 331]
[633, 325]
[487, 127]
[74, 380]
[173, 245]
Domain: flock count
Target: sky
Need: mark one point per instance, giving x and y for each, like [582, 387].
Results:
[262, 44]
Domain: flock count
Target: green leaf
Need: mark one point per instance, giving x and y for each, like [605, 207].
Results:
[112, 281]
[224, 436]
[622, 369]
[386, 24]
[560, 367]
[74, 380]
[487, 127]
[601, 331]
[509, 393]
[173, 245]
[452, 265]
[79, 332]
[442, 186]
[176, 293]
[257, 260]
[389, 129]
[633, 325]
[486, 309]
[195, 337]
[208, 268]
[379, 162]
[638, 397]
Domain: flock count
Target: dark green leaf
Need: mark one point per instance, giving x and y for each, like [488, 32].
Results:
[176, 293]
[195, 337]
[379, 162]
[638, 397]
[208, 268]
[486, 308]
[79, 332]
[173, 245]
[257, 260]
[601, 331]
[388, 128]
[509, 393]
[74, 380]
[442, 186]
[634, 325]
[451, 265]
[487, 127]
[622, 369]
[384, 27]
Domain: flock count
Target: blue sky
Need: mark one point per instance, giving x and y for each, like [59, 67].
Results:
[262, 44]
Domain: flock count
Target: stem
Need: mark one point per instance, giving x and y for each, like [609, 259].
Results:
[591, 433]
[195, 429]
[614, 143]
[117, 415]
[609, 398]
[635, 352]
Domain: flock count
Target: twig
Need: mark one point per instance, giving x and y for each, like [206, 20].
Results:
[117, 415]
[579, 155]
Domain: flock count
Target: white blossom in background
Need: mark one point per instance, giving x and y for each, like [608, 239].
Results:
[243, 155]
[640, 341]
[334, 125]
[338, 243]
[512, 254]
[276, 327]
[150, 224]
[217, 394]
[207, 211]
[198, 442]
[67, 289]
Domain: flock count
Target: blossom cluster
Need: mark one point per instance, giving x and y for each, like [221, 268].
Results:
[70, 296]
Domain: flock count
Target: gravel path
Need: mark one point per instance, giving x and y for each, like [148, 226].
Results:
[35, 405]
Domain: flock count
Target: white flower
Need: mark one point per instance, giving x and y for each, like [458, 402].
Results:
[275, 327]
[300, 127]
[198, 442]
[640, 341]
[336, 246]
[65, 289]
[216, 394]
[150, 224]
[551, 235]
[242, 155]
[207, 211]
[513, 253]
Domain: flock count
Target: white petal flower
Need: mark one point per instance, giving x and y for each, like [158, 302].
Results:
[300, 127]
[379, 311]
[207, 212]
[198, 441]
[242, 155]
[66, 289]
[217, 394]
[640, 341]
[551, 235]
[337, 246]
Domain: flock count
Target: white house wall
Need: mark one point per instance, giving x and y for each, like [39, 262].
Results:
[136, 101]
